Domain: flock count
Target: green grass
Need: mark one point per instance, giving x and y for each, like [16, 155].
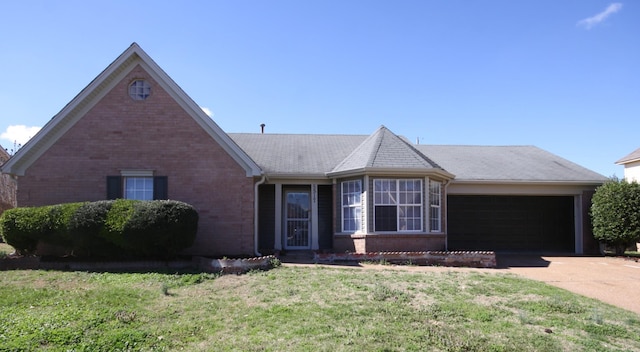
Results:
[303, 309]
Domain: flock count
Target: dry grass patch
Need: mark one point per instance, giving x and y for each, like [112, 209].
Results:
[303, 309]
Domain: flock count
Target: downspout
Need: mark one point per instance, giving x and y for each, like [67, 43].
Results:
[446, 217]
[255, 216]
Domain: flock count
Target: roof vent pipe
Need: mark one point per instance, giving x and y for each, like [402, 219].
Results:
[262, 128]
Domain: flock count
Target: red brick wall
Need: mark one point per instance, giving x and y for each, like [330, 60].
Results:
[155, 134]
[360, 243]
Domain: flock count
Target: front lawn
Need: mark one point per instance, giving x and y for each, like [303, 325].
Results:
[304, 309]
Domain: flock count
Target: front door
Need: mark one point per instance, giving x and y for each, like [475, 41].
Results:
[297, 219]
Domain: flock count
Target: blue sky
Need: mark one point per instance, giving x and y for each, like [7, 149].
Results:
[561, 75]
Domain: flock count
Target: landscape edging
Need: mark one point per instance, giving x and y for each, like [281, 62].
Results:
[473, 259]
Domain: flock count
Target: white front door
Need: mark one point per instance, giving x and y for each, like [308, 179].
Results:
[297, 219]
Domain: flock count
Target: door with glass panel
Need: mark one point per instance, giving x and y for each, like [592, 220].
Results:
[297, 219]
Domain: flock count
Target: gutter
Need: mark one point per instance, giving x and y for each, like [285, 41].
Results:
[255, 216]
[531, 182]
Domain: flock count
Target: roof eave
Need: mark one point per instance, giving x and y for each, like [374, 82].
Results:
[532, 182]
[391, 172]
[626, 161]
[296, 176]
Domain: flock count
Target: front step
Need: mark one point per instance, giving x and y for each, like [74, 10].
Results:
[299, 256]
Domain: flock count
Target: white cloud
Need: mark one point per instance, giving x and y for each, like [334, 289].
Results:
[207, 111]
[594, 20]
[18, 134]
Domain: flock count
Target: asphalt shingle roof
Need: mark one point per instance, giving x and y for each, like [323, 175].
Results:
[385, 150]
[635, 155]
[307, 154]
[303, 154]
[507, 163]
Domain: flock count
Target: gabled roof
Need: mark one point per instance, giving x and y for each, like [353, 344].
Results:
[384, 151]
[634, 156]
[472, 163]
[98, 88]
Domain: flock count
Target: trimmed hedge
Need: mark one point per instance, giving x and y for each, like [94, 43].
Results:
[114, 228]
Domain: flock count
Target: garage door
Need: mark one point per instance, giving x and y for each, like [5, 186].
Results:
[511, 223]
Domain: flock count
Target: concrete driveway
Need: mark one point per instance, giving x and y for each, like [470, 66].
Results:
[612, 280]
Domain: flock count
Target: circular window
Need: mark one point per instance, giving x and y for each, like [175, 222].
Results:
[139, 89]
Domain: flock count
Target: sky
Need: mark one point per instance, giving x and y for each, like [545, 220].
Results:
[560, 75]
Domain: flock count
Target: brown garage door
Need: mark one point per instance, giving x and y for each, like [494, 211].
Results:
[511, 223]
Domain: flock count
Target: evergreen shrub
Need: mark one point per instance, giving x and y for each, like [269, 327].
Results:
[114, 228]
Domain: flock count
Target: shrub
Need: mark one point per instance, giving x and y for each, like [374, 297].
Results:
[117, 217]
[16, 230]
[85, 225]
[162, 227]
[24, 227]
[56, 230]
[104, 228]
[615, 212]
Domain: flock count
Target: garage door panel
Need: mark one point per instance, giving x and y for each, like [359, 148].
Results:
[511, 223]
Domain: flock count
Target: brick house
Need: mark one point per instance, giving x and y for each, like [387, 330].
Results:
[7, 186]
[133, 133]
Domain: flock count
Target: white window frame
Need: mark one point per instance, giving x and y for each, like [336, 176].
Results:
[395, 197]
[137, 184]
[435, 206]
[351, 204]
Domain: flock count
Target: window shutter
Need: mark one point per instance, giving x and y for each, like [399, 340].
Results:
[160, 187]
[114, 187]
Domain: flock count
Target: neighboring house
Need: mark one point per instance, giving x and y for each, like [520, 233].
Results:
[7, 186]
[133, 133]
[631, 165]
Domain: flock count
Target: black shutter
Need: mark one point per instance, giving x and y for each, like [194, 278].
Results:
[114, 187]
[160, 187]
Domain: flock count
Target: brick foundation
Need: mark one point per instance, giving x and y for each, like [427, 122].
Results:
[484, 259]
[363, 243]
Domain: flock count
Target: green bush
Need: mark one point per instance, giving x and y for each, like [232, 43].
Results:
[85, 225]
[16, 230]
[161, 227]
[615, 212]
[56, 230]
[105, 228]
[114, 224]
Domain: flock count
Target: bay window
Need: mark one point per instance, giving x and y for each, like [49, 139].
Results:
[397, 205]
[435, 212]
[351, 206]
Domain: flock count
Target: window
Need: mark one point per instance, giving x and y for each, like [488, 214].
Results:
[351, 206]
[397, 205]
[139, 185]
[139, 89]
[140, 188]
[435, 197]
